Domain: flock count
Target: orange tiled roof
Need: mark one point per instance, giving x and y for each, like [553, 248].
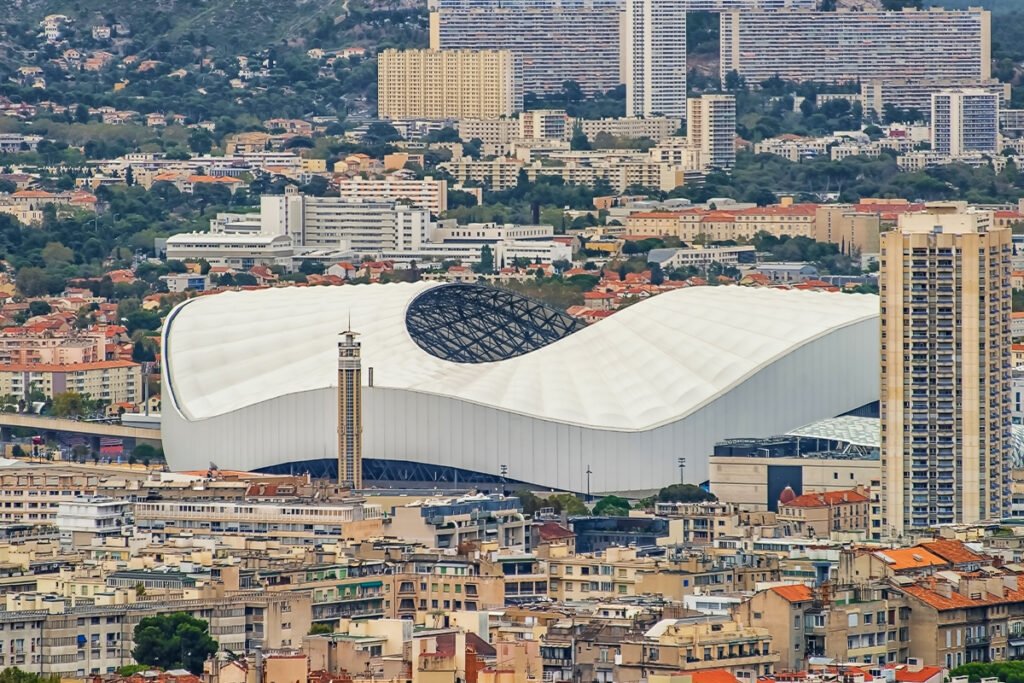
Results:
[905, 675]
[910, 558]
[926, 593]
[713, 676]
[794, 593]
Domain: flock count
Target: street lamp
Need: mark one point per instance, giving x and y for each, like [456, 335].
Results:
[503, 471]
[682, 470]
[588, 481]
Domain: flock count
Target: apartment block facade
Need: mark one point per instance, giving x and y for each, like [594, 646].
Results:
[945, 376]
[654, 57]
[444, 84]
[427, 194]
[965, 121]
[556, 40]
[112, 381]
[838, 47]
[711, 130]
[338, 222]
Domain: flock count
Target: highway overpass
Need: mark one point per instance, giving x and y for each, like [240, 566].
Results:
[56, 425]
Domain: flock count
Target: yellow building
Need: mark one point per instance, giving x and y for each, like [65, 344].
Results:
[111, 381]
[945, 381]
[441, 84]
[612, 573]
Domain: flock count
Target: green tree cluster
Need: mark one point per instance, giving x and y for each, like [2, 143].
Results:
[173, 641]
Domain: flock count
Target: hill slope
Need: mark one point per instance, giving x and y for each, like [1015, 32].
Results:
[233, 26]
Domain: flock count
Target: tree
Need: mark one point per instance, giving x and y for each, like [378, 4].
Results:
[568, 503]
[200, 141]
[69, 404]
[173, 641]
[684, 493]
[612, 506]
[56, 254]
[38, 307]
[16, 675]
[579, 140]
[320, 629]
[486, 264]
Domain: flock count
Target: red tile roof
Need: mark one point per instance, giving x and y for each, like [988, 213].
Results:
[551, 531]
[926, 592]
[952, 551]
[713, 676]
[794, 593]
[827, 499]
[926, 673]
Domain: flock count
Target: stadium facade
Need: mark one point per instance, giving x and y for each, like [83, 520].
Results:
[470, 380]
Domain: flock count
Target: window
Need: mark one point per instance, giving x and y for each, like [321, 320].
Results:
[851, 619]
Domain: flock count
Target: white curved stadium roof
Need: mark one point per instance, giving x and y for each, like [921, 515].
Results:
[648, 368]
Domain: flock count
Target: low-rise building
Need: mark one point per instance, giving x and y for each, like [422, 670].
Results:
[820, 514]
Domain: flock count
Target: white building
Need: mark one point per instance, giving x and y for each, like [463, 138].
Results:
[472, 377]
[654, 57]
[83, 519]
[241, 251]
[965, 121]
[427, 194]
[336, 223]
[182, 282]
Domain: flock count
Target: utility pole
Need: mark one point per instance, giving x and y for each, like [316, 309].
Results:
[588, 481]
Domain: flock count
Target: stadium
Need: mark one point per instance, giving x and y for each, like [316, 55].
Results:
[469, 382]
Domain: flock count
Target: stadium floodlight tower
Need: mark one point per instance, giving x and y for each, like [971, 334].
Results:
[350, 412]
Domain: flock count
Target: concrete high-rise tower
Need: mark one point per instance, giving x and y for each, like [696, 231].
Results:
[654, 57]
[711, 129]
[945, 394]
[350, 412]
[965, 121]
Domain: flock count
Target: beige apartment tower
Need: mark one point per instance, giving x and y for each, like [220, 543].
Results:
[711, 129]
[350, 412]
[448, 84]
[945, 380]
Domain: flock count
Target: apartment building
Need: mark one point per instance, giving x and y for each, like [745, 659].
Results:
[841, 47]
[916, 94]
[21, 347]
[365, 227]
[615, 572]
[856, 231]
[291, 523]
[656, 128]
[427, 583]
[111, 381]
[497, 174]
[352, 589]
[869, 623]
[449, 523]
[820, 514]
[556, 40]
[966, 617]
[946, 397]
[43, 634]
[965, 121]
[654, 58]
[688, 646]
[427, 193]
[444, 84]
[711, 130]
